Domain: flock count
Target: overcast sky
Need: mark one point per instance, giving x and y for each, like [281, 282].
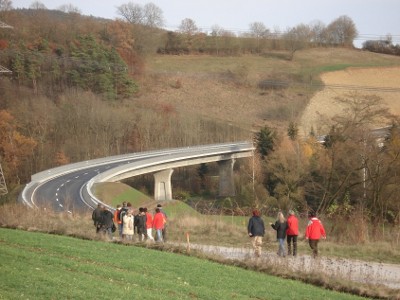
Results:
[373, 18]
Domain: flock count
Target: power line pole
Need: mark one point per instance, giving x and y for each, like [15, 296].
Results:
[3, 185]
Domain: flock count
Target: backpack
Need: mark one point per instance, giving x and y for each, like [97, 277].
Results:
[122, 213]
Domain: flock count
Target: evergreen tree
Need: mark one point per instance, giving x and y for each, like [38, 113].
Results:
[265, 139]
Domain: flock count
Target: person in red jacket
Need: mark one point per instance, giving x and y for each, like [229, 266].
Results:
[315, 230]
[292, 232]
[117, 219]
[158, 224]
[149, 225]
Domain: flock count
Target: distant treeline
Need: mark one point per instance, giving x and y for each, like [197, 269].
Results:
[382, 46]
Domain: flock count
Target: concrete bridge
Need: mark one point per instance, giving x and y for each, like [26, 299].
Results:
[163, 167]
[59, 186]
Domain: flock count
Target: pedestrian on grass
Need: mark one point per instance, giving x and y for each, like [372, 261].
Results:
[164, 230]
[107, 222]
[256, 231]
[158, 224]
[128, 221]
[149, 225]
[117, 220]
[140, 224]
[314, 231]
[122, 212]
[292, 233]
[280, 226]
[97, 217]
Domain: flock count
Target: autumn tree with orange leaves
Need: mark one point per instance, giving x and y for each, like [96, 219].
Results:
[15, 149]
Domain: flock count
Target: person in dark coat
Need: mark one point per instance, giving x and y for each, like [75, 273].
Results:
[97, 217]
[140, 224]
[256, 231]
[280, 226]
[107, 222]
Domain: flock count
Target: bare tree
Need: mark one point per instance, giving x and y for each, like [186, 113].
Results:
[69, 8]
[258, 31]
[148, 15]
[297, 38]
[342, 31]
[350, 145]
[318, 33]
[216, 32]
[131, 12]
[188, 26]
[153, 15]
[37, 5]
[5, 5]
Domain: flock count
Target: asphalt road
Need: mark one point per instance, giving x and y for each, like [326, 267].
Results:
[64, 188]
[64, 193]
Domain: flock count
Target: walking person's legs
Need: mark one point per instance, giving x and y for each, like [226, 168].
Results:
[294, 245]
[257, 242]
[164, 233]
[159, 235]
[314, 246]
[289, 244]
[150, 234]
[281, 251]
[120, 229]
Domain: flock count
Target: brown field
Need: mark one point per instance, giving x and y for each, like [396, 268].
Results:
[323, 106]
[225, 88]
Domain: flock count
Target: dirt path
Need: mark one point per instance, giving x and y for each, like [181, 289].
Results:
[370, 273]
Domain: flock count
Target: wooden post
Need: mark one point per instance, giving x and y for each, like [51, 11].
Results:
[188, 242]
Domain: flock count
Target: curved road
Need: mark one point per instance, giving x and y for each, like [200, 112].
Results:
[65, 188]
[64, 193]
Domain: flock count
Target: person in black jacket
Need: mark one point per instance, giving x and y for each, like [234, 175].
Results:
[107, 222]
[140, 224]
[256, 231]
[97, 216]
[280, 226]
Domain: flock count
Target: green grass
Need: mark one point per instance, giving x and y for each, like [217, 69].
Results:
[305, 63]
[42, 266]
[231, 231]
[114, 193]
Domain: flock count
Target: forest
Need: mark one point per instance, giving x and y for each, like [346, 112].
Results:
[77, 90]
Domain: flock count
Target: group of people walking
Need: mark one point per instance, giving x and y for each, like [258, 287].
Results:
[131, 225]
[140, 227]
[287, 230]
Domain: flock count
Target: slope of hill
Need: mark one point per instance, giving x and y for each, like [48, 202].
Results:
[381, 81]
[228, 88]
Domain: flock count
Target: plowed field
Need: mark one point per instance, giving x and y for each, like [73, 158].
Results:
[368, 81]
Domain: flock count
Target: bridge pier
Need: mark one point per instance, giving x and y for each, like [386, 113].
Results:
[226, 182]
[162, 185]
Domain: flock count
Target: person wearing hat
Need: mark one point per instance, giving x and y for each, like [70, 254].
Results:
[292, 232]
[256, 231]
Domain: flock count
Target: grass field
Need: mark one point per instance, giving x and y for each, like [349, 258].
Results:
[42, 266]
[226, 230]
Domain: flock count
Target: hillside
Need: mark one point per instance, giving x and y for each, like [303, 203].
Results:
[228, 88]
[380, 81]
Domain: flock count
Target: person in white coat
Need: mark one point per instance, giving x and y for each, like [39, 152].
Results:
[127, 228]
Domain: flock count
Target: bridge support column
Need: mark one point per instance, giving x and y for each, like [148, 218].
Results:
[162, 185]
[226, 182]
